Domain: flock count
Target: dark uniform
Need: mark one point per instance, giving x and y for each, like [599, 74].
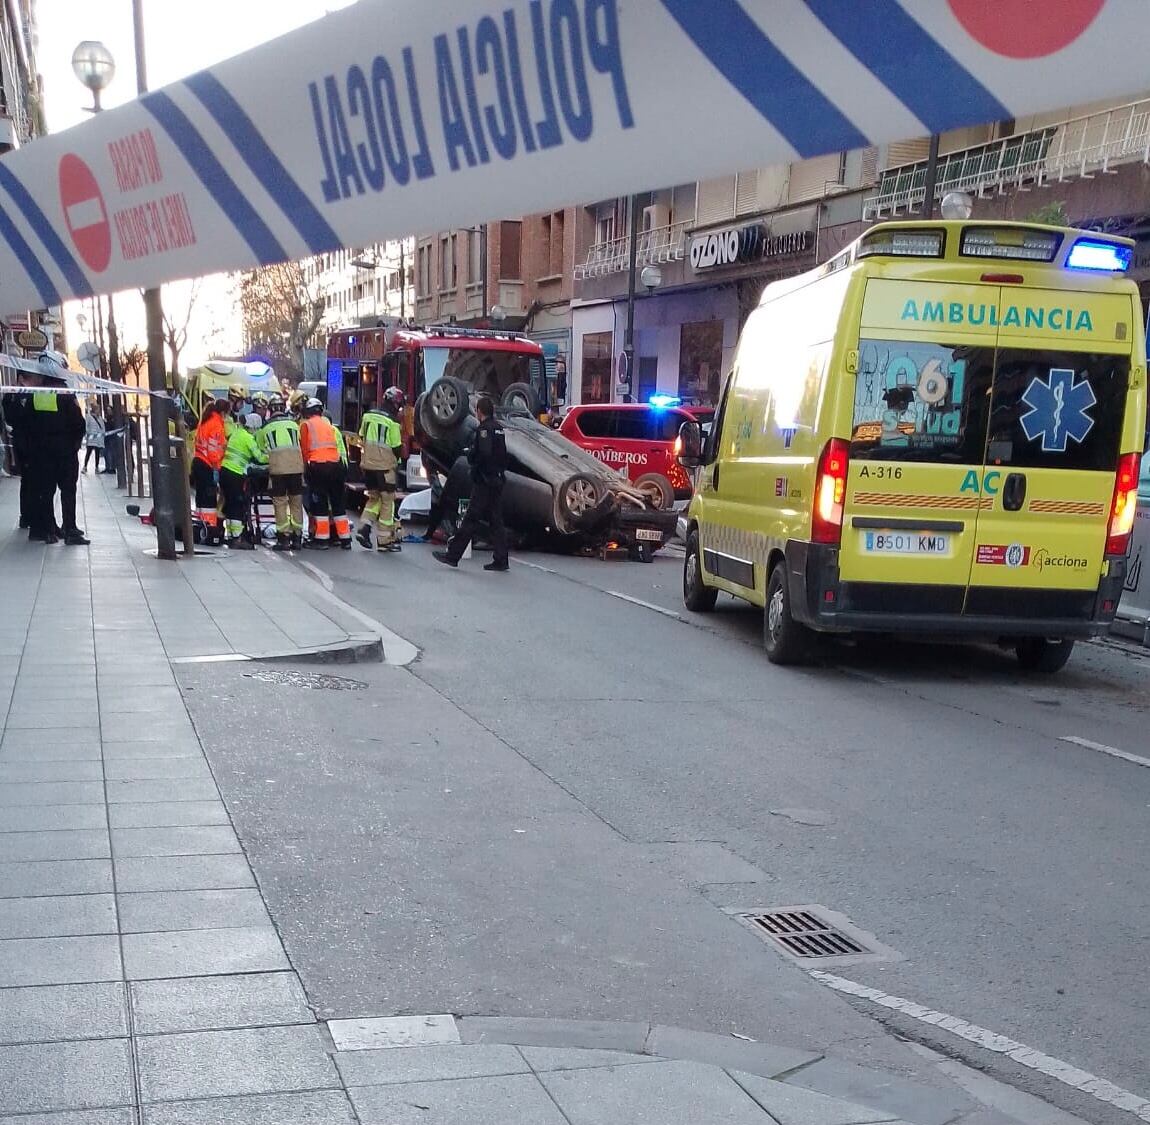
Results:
[16, 408]
[55, 432]
[488, 460]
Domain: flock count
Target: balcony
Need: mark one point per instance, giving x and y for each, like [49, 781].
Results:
[656, 247]
[1077, 147]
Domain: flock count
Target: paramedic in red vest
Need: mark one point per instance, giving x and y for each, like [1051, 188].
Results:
[325, 473]
[211, 443]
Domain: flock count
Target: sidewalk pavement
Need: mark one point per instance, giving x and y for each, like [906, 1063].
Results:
[141, 976]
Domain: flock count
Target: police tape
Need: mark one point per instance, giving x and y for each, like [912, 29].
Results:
[395, 116]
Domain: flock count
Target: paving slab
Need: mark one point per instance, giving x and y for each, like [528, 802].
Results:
[52, 818]
[24, 793]
[218, 1003]
[188, 953]
[55, 877]
[725, 1051]
[54, 770]
[225, 1063]
[16, 748]
[652, 1095]
[123, 1116]
[479, 1101]
[319, 1107]
[158, 768]
[208, 840]
[69, 844]
[63, 1011]
[790, 1105]
[578, 1058]
[57, 916]
[428, 1064]
[59, 960]
[392, 1031]
[183, 873]
[190, 910]
[167, 814]
[168, 789]
[607, 1034]
[176, 748]
[876, 1089]
[43, 1077]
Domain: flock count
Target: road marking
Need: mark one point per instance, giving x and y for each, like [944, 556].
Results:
[534, 566]
[1102, 748]
[645, 605]
[1064, 1072]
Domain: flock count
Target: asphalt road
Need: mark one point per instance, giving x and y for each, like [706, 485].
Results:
[551, 812]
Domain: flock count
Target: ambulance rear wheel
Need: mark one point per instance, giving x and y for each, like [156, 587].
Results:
[786, 641]
[1038, 654]
[697, 595]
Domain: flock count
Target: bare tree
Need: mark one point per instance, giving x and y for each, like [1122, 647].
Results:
[176, 325]
[281, 315]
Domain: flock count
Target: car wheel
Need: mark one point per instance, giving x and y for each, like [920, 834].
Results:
[578, 497]
[786, 641]
[657, 488]
[447, 402]
[1038, 654]
[523, 398]
[697, 595]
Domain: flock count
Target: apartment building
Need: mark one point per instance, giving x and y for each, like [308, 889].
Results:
[360, 286]
[707, 249]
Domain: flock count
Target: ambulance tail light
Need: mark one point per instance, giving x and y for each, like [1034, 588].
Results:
[830, 492]
[1125, 502]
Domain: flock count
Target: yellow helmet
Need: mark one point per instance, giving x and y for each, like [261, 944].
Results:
[297, 399]
[259, 398]
[238, 391]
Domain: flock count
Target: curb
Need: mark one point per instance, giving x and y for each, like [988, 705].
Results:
[359, 648]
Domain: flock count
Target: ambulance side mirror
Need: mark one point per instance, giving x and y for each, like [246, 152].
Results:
[689, 445]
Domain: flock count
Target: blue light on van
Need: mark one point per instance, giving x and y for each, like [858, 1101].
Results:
[1106, 257]
[662, 402]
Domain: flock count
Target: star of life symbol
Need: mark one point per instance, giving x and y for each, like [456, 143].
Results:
[1059, 409]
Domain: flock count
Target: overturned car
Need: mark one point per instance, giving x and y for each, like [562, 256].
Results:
[557, 496]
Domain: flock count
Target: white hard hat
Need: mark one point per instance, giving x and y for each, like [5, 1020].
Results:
[253, 421]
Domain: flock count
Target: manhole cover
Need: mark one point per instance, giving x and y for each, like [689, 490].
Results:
[813, 934]
[316, 681]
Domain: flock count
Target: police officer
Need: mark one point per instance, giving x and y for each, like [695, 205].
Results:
[280, 441]
[382, 437]
[488, 460]
[325, 471]
[55, 432]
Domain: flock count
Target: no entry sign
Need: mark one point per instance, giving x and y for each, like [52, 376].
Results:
[85, 214]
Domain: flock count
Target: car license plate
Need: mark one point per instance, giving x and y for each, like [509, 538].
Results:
[648, 536]
[905, 543]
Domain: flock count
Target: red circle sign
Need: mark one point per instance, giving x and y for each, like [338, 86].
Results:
[84, 212]
[1026, 29]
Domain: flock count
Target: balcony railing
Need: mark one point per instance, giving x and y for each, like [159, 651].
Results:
[1077, 147]
[656, 246]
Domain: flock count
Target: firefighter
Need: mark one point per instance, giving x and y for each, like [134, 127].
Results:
[325, 471]
[382, 437]
[55, 431]
[297, 402]
[261, 406]
[280, 440]
[211, 441]
[237, 403]
[240, 454]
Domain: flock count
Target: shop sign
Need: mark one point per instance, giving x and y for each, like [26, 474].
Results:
[733, 246]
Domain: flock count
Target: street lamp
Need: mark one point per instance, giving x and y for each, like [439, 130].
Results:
[93, 65]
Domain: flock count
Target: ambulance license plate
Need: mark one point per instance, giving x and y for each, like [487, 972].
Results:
[905, 543]
[648, 536]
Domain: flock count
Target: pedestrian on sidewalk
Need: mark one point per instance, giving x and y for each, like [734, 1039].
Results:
[55, 434]
[241, 453]
[382, 437]
[94, 431]
[211, 441]
[488, 460]
[279, 440]
[325, 471]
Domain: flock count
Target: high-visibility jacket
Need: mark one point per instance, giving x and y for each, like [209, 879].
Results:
[242, 451]
[320, 442]
[382, 438]
[279, 438]
[211, 441]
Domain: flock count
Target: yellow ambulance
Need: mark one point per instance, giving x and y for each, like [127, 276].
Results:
[937, 432]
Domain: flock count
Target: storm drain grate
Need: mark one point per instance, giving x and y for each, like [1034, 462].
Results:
[316, 681]
[802, 933]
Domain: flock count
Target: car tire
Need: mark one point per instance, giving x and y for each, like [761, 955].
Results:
[658, 490]
[446, 404]
[578, 496]
[786, 641]
[698, 597]
[1039, 654]
[522, 398]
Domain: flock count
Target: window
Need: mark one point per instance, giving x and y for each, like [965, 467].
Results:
[447, 278]
[424, 270]
[475, 256]
[554, 228]
[596, 372]
[597, 423]
[510, 251]
[700, 361]
[633, 425]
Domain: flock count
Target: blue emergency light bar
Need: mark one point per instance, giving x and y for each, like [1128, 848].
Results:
[1104, 257]
[661, 402]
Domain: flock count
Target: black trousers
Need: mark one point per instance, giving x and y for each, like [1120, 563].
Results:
[204, 485]
[485, 509]
[235, 492]
[53, 469]
[326, 489]
[88, 456]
